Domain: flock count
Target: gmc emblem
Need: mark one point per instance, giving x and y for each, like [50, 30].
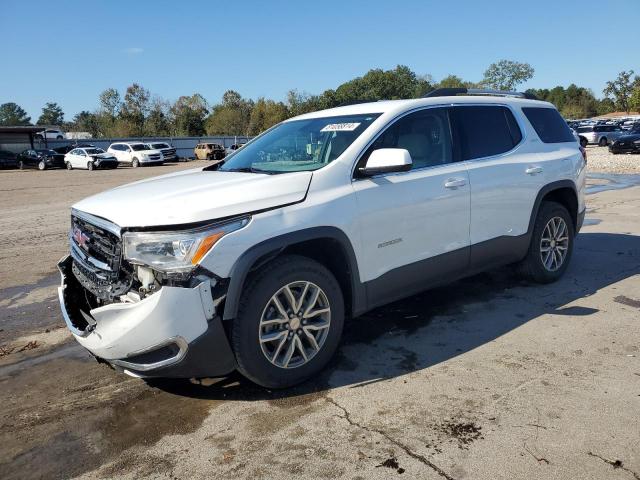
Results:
[81, 238]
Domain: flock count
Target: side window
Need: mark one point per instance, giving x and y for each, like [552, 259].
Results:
[549, 125]
[484, 131]
[425, 134]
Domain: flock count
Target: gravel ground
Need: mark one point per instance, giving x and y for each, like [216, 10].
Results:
[600, 159]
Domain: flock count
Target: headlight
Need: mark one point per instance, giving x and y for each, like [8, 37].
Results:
[176, 251]
[637, 142]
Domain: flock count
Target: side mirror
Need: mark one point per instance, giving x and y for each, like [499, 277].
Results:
[387, 160]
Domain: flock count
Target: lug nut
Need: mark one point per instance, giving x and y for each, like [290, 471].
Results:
[299, 331]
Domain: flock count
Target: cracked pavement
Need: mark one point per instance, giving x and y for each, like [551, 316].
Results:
[487, 378]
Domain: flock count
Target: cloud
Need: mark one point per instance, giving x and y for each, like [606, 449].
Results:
[133, 50]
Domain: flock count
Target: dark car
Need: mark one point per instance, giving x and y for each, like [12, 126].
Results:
[67, 148]
[8, 159]
[626, 144]
[40, 159]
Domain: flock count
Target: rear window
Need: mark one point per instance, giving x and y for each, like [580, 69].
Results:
[549, 125]
[485, 131]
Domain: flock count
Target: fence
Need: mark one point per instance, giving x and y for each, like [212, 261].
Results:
[184, 145]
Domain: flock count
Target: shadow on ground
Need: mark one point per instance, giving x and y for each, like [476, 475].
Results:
[440, 324]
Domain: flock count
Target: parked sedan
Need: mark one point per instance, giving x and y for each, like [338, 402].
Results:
[67, 148]
[601, 135]
[40, 159]
[626, 144]
[90, 158]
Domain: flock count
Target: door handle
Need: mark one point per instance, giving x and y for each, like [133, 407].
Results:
[533, 170]
[455, 183]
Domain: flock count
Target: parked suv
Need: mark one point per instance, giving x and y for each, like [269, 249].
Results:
[136, 154]
[209, 151]
[600, 135]
[50, 134]
[254, 263]
[168, 151]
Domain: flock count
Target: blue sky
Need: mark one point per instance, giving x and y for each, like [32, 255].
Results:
[69, 51]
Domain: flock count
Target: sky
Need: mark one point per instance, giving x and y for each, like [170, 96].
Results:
[69, 51]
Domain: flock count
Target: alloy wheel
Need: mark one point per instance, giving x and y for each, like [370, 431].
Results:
[554, 244]
[294, 324]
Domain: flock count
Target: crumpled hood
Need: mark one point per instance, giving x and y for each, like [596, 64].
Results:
[195, 196]
[100, 156]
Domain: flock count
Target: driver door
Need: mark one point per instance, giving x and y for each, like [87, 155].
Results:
[414, 225]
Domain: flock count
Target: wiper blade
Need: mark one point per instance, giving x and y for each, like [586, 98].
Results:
[247, 170]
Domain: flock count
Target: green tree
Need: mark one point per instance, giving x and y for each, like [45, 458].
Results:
[110, 102]
[52, 114]
[634, 101]
[507, 74]
[135, 108]
[85, 122]
[12, 114]
[621, 89]
[188, 115]
[265, 114]
[157, 122]
[453, 81]
[231, 117]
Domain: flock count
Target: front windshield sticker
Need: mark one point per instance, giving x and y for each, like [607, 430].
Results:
[340, 127]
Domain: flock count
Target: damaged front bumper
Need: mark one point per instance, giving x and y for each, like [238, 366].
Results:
[173, 333]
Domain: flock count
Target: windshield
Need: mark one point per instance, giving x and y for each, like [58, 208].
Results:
[299, 145]
[139, 146]
[94, 151]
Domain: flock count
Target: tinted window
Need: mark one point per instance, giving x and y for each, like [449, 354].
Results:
[425, 134]
[549, 125]
[585, 129]
[484, 131]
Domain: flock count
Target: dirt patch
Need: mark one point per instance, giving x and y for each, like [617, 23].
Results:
[392, 462]
[464, 433]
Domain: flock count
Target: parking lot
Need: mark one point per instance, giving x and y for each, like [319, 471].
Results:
[487, 378]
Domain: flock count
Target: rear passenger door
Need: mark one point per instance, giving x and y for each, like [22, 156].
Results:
[414, 225]
[505, 178]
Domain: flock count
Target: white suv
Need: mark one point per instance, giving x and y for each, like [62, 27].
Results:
[255, 263]
[136, 154]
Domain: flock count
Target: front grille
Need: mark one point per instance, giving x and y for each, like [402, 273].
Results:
[169, 152]
[155, 156]
[97, 259]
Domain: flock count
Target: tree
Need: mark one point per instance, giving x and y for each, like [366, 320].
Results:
[453, 81]
[634, 101]
[110, 102]
[188, 115]
[52, 114]
[157, 122]
[621, 89]
[135, 108]
[507, 74]
[12, 114]
[86, 122]
[231, 117]
[265, 114]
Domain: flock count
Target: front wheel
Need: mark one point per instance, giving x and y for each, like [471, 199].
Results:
[69, 166]
[135, 163]
[90, 166]
[289, 323]
[21, 165]
[603, 142]
[551, 244]
[42, 165]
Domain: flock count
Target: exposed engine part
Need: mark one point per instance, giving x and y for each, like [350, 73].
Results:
[149, 282]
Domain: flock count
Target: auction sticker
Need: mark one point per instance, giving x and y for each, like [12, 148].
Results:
[340, 127]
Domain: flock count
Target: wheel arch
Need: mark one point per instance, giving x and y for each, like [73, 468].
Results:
[327, 245]
[563, 192]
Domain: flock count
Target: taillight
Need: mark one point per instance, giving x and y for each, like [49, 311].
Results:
[583, 151]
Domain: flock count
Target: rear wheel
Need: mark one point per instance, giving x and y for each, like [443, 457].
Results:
[289, 323]
[551, 244]
[583, 142]
[42, 165]
[603, 142]
[59, 137]
[135, 163]
[21, 165]
[69, 166]
[90, 166]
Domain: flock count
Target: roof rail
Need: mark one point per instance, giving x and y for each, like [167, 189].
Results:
[450, 92]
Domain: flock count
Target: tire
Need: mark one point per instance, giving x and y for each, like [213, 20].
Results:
[42, 165]
[69, 166]
[59, 137]
[533, 266]
[583, 142]
[21, 165]
[135, 163]
[38, 137]
[256, 303]
[90, 166]
[603, 142]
